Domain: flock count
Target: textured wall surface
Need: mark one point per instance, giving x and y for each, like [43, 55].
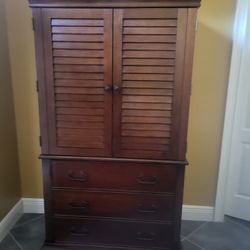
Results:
[10, 191]
[22, 59]
[210, 78]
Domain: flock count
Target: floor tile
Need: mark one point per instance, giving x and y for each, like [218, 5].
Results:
[187, 227]
[26, 218]
[53, 248]
[8, 244]
[30, 235]
[233, 234]
[187, 245]
[222, 236]
[242, 222]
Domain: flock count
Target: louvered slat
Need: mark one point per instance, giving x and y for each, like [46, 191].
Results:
[77, 38]
[79, 83]
[78, 61]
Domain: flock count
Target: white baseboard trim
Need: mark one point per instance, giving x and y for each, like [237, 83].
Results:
[10, 219]
[198, 213]
[35, 206]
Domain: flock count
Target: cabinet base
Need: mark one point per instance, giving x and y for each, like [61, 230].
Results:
[51, 246]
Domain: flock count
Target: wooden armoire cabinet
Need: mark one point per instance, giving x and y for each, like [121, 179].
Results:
[114, 80]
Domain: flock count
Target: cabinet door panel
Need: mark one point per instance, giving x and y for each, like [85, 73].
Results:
[149, 53]
[78, 55]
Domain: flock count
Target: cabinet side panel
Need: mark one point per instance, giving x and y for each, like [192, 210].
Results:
[38, 32]
[178, 205]
[47, 177]
[180, 85]
[187, 79]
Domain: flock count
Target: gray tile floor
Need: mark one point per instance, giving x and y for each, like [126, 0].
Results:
[233, 234]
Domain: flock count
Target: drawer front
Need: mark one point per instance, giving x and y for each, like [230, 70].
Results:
[115, 175]
[87, 231]
[135, 206]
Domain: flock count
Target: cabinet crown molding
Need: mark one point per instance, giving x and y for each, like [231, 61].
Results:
[113, 3]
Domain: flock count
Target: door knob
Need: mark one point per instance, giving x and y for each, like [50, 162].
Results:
[108, 88]
[116, 88]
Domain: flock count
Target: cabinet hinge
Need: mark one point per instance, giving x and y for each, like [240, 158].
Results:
[40, 140]
[37, 86]
[33, 24]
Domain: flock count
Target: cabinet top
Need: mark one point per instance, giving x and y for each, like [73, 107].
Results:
[112, 3]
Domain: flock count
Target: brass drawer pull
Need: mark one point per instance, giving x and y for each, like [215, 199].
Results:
[82, 205]
[152, 210]
[82, 177]
[79, 232]
[145, 236]
[143, 180]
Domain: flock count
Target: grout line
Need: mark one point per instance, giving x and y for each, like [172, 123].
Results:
[26, 222]
[17, 243]
[198, 228]
[238, 223]
[195, 244]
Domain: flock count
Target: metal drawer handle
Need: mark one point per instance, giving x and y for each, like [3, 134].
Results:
[79, 232]
[145, 236]
[82, 205]
[152, 181]
[141, 209]
[83, 176]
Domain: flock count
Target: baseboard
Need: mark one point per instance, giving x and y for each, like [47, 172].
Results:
[34, 206]
[198, 213]
[10, 219]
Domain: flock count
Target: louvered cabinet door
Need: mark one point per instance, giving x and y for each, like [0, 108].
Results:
[149, 53]
[78, 56]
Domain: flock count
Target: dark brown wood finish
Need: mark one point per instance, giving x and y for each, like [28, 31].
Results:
[114, 81]
[186, 82]
[114, 232]
[178, 206]
[148, 72]
[114, 3]
[179, 106]
[113, 159]
[40, 64]
[78, 52]
[117, 176]
[113, 204]
[47, 190]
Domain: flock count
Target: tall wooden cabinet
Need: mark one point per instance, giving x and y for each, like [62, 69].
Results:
[114, 81]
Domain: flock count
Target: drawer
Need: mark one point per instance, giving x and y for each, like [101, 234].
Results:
[116, 233]
[114, 175]
[134, 206]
